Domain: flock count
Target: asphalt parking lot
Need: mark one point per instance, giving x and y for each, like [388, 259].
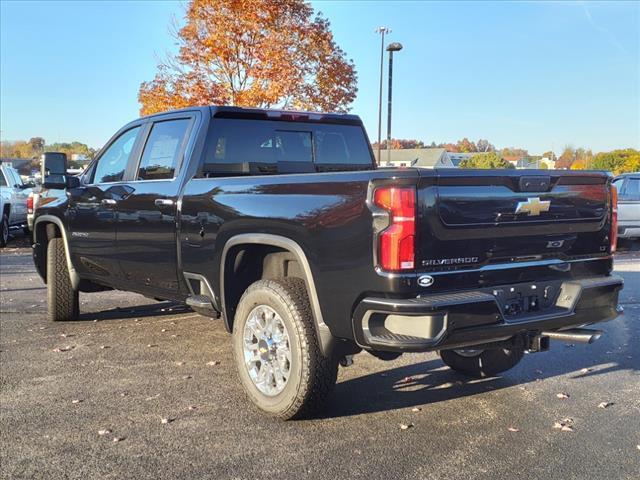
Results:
[138, 389]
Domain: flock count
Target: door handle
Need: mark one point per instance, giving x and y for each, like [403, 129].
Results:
[163, 202]
[108, 201]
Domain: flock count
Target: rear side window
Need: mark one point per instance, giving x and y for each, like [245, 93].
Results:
[632, 189]
[113, 162]
[259, 147]
[162, 150]
[3, 181]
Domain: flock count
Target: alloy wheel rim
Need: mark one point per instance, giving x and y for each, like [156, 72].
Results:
[267, 350]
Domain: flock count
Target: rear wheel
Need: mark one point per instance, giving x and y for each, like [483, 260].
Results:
[4, 230]
[276, 350]
[480, 363]
[62, 298]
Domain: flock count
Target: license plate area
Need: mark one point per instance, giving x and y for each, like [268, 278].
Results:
[520, 301]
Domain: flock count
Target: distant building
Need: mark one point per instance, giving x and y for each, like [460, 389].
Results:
[415, 157]
[457, 157]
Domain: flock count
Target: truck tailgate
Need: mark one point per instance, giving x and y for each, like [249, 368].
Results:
[477, 217]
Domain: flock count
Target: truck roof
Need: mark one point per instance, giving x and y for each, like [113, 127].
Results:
[224, 111]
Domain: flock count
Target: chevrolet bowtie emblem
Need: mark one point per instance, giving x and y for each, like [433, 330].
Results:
[533, 206]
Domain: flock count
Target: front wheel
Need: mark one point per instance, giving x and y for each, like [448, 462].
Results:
[4, 230]
[62, 298]
[480, 363]
[277, 353]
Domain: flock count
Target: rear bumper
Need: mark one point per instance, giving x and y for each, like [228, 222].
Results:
[629, 231]
[454, 320]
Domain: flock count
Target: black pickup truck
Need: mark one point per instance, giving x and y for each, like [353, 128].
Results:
[280, 223]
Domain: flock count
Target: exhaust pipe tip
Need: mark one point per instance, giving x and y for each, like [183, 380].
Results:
[577, 335]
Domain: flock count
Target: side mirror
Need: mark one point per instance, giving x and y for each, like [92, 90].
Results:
[55, 181]
[54, 170]
[59, 182]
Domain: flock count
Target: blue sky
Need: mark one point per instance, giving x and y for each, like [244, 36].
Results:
[534, 75]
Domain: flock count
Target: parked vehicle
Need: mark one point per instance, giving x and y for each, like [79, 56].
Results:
[628, 187]
[281, 224]
[13, 202]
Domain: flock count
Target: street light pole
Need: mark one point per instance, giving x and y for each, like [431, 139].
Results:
[382, 31]
[393, 47]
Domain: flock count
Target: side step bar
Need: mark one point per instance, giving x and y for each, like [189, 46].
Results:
[578, 335]
[202, 304]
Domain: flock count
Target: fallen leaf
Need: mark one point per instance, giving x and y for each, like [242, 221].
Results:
[63, 349]
[187, 377]
[192, 407]
[76, 401]
[117, 439]
[151, 345]
[213, 363]
[567, 428]
[406, 426]
[586, 370]
[104, 346]
[416, 409]
[513, 429]
[163, 330]
[179, 363]
[605, 404]
[166, 420]
[104, 431]
[562, 395]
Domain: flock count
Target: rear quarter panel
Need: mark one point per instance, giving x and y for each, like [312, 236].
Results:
[325, 213]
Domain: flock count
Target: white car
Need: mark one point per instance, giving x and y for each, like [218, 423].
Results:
[13, 202]
[628, 186]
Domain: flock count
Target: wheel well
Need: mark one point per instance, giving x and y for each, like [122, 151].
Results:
[44, 231]
[246, 264]
[7, 209]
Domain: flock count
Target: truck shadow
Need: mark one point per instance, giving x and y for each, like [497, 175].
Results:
[432, 382]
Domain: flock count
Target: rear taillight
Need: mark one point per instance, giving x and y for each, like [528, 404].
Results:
[396, 250]
[613, 234]
[30, 203]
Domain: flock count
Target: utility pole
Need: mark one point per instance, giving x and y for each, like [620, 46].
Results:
[393, 47]
[382, 31]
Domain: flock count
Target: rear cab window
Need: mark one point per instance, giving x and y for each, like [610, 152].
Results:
[261, 147]
[162, 150]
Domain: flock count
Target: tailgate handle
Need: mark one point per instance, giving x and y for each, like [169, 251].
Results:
[538, 183]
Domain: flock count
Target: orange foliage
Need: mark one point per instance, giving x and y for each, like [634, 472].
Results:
[253, 53]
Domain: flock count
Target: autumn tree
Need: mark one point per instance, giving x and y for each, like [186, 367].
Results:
[399, 143]
[253, 53]
[484, 145]
[485, 160]
[617, 161]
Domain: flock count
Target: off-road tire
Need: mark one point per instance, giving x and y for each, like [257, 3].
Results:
[313, 375]
[62, 298]
[487, 363]
[4, 230]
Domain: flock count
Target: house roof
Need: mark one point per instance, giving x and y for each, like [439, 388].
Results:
[424, 157]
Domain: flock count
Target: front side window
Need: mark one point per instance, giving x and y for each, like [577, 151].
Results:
[113, 162]
[160, 155]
